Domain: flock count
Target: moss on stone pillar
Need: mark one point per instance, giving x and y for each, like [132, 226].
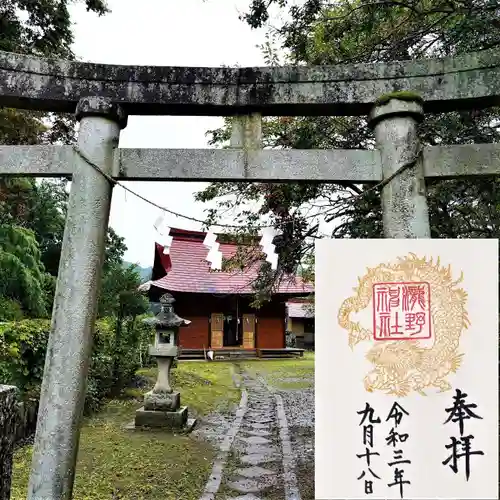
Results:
[402, 95]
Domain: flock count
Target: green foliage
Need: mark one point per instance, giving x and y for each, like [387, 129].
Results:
[119, 295]
[115, 360]
[120, 300]
[23, 355]
[47, 29]
[114, 463]
[285, 374]
[115, 250]
[402, 95]
[32, 218]
[22, 275]
[39, 206]
[46, 218]
[353, 31]
[21, 127]
[10, 309]
[23, 345]
[41, 28]
[144, 272]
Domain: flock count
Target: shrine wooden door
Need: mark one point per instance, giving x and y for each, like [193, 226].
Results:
[216, 330]
[249, 331]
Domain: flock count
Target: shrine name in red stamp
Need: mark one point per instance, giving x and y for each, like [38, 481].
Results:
[402, 311]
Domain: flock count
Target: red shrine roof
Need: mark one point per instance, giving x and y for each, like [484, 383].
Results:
[186, 270]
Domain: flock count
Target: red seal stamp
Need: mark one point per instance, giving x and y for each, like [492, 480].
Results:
[402, 311]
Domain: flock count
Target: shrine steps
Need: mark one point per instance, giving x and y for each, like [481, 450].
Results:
[231, 353]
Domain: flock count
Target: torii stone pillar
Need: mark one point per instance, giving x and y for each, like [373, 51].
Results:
[469, 81]
[70, 343]
[404, 202]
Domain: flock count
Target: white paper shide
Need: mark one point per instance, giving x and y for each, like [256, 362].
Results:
[406, 369]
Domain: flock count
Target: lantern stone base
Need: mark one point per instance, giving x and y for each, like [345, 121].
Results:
[161, 419]
[162, 401]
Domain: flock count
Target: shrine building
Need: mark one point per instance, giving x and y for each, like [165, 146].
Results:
[218, 303]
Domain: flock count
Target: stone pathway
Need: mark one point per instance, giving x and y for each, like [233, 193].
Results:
[259, 463]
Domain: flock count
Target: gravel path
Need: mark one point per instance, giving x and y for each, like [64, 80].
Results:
[299, 410]
[257, 458]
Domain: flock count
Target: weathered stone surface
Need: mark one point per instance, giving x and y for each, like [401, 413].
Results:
[254, 440]
[27, 413]
[230, 165]
[44, 161]
[258, 425]
[254, 472]
[258, 458]
[73, 315]
[260, 414]
[238, 164]
[161, 419]
[167, 321]
[101, 106]
[260, 449]
[249, 496]
[246, 485]
[8, 413]
[256, 432]
[461, 160]
[395, 107]
[262, 406]
[257, 450]
[162, 401]
[404, 203]
[259, 420]
[467, 81]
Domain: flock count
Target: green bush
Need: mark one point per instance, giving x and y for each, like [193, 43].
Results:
[23, 345]
[10, 310]
[22, 355]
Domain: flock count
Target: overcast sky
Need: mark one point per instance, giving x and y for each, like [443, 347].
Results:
[164, 33]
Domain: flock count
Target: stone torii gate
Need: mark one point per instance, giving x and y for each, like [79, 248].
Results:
[102, 96]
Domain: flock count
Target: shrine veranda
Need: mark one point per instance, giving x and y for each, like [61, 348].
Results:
[395, 97]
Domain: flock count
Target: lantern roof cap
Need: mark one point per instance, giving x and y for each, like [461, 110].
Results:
[167, 318]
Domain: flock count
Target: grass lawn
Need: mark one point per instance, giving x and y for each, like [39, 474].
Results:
[117, 464]
[285, 373]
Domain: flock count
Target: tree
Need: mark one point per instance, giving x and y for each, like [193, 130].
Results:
[46, 30]
[318, 32]
[39, 206]
[115, 250]
[41, 29]
[120, 300]
[33, 213]
[47, 219]
[401, 29]
[23, 280]
[30, 208]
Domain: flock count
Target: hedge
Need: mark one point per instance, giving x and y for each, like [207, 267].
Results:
[23, 345]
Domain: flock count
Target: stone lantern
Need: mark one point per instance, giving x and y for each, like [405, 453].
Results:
[162, 405]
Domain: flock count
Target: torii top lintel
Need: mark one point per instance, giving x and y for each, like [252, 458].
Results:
[464, 82]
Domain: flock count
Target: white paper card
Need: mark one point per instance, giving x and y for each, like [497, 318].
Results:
[406, 379]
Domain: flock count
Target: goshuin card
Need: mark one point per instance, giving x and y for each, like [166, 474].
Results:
[406, 377]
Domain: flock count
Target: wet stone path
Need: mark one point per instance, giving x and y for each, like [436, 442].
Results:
[254, 468]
